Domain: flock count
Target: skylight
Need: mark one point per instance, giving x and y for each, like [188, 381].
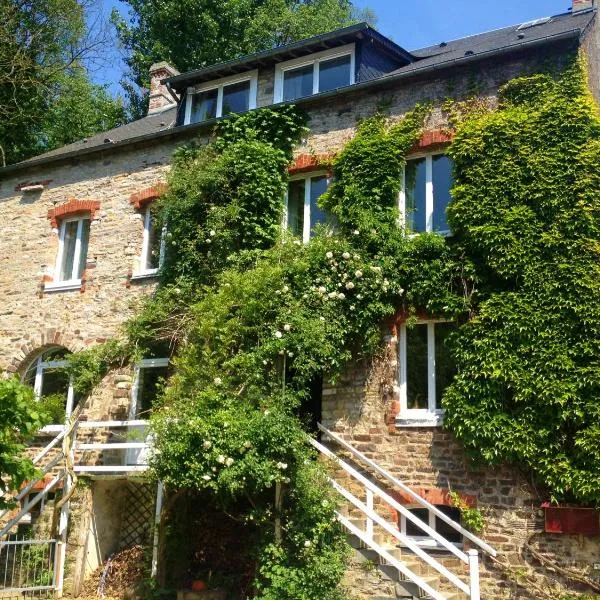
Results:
[534, 23]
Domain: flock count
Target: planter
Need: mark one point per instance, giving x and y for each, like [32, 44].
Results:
[567, 519]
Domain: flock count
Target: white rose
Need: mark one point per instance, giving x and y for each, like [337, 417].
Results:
[207, 444]
[287, 327]
[285, 289]
[278, 335]
[307, 544]
[322, 289]
[341, 295]
[206, 477]
[220, 459]
[356, 232]
[332, 294]
[346, 255]
[228, 461]
[329, 255]
[208, 240]
[358, 274]
[349, 286]
[212, 232]
[217, 381]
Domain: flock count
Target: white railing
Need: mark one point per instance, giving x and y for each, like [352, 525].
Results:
[408, 491]
[27, 567]
[135, 459]
[372, 519]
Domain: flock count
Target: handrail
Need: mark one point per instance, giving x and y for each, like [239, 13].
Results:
[392, 502]
[390, 559]
[438, 513]
[49, 447]
[108, 424]
[394, 531]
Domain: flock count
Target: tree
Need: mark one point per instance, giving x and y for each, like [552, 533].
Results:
[20, 418]
[43, 45]
[191, 34]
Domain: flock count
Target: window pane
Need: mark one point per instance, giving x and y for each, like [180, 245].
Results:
[416, 367]
[444, 529]
[85, 237]
[334, 73]
[414, 530]
[295, 207]
[236, 97]
[445, 369]
[204, 106]
[153, 254]
[150, 384]
[55, 381]
[416, 217]
[318, 186]
[442, 182]
[69, 241]
[298, 83]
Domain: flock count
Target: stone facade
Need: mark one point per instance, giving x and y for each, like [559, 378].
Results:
[113, 186]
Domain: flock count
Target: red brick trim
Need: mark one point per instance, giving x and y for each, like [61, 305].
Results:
[432, 139]
[309, 162]
[71, 208]
[145, 196]
[434, 495]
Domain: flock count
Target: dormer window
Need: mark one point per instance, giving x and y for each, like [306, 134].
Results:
[319, 72]
[219, 98]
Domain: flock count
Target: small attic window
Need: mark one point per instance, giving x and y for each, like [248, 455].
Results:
[534, 23]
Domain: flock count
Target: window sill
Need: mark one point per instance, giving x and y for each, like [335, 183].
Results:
[145, 274]
[63, 286]
[424, 420]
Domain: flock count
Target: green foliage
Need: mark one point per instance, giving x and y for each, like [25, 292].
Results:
[191, 34]
[526, 210]
[46, 98]
[471, 518]
[20, 418]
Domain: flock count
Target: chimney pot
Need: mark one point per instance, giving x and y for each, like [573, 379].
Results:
[160, 97]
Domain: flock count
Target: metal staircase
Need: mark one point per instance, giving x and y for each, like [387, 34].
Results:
[36, 566]
[418, 572]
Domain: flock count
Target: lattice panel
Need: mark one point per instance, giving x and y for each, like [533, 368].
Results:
[137, 519]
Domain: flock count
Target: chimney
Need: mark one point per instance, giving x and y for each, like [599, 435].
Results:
[579, 5]
[160, 96]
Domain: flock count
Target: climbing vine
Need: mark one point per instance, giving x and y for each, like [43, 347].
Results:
[253, 316]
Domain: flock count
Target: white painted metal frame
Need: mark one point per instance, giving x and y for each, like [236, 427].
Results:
[420, 416]
[429, 193]
[313, 59]
[219, 84]
[41, 367]
[423, 541]
[73, 282]
[418, 500]
[143, 270]
[307, 178]
[373, 517]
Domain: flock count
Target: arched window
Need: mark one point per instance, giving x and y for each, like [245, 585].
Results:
[48, 376]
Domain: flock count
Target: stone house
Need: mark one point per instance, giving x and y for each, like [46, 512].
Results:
[78, 250]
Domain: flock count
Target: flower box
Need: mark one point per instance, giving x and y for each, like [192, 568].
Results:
[567, 519]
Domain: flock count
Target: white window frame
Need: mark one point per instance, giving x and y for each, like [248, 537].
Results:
[307, 178]
[423, 540]
[41, 366]
[72, 283]
[315, 60]
[418, 417]
[429, 194]
[219, 84]
[142, 271]
[137, 456]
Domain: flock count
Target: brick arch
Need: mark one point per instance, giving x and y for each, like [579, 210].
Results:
[45, 339]
[71, 208]
[147, 195]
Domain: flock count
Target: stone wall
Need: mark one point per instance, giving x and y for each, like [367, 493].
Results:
[362, 408]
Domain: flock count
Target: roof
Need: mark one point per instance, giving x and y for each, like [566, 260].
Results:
[324, 41]
[428, 60]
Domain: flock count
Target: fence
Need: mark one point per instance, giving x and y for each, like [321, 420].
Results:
[27, 568]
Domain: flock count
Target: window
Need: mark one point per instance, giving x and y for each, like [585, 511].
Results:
[153, 247]
[219, 98]
[302, 212]
[425, 193]
[149, 377]
[426, 369]
[73, 240]
[313, 74]
[411, 530]
[48, 376]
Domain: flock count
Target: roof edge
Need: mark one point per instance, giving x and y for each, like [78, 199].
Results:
[384, 80]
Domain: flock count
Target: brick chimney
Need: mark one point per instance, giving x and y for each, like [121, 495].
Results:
[160, 97]
[579, 5]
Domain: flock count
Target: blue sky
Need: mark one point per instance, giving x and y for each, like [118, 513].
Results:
[412, 23]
